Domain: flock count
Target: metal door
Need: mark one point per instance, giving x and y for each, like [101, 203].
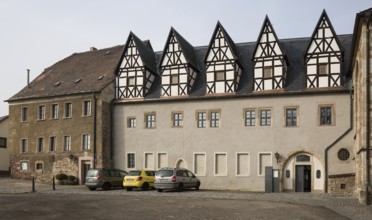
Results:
[300, 178]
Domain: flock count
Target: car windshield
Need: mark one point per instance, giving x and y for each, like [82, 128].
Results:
[92, 173]
[165, 173]
[134, 173]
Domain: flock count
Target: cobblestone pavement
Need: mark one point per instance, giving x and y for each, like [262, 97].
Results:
[344, 205]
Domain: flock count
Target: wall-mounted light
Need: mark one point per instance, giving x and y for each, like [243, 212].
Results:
[277, 155]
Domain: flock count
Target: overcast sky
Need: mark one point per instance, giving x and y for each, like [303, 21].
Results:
[35, 34]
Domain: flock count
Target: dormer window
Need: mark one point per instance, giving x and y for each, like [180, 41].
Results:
[220, 76]
[268, 72]
[174, 79]
[323, 69]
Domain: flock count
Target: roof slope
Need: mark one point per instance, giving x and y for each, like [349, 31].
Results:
[78, 73]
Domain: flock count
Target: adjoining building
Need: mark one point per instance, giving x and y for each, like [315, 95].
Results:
[60, 122]
[4, 133]
[230, 111]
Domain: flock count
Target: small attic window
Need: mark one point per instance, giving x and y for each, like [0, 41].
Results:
[100, 77]
[57, 83]
[77, 81]
[108, 52]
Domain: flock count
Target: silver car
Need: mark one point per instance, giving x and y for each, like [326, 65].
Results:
[175, 179]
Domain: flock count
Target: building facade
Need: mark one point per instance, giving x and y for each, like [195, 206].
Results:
[4, 134]
[229, 111]
[60, 122]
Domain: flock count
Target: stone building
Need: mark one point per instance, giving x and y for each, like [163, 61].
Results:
[240, 114]
[361, 72]
[4, 133]
[60, 122]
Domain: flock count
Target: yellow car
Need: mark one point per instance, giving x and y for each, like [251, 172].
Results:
[143, 179]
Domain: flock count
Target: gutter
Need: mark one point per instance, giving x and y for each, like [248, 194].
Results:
[368, 126]
[95, 131]
[338, 139]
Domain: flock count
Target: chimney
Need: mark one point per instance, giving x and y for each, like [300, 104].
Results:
[92, 49]
[28, 78]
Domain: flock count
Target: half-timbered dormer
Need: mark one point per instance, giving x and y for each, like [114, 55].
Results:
[178, 66]
[223, 69]
[137, 69]
[324, 56]
[270, 65]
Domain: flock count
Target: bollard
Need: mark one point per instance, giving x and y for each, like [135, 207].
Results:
[33, 184]
[54, 184]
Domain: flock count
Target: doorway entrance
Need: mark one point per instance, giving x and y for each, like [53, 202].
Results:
[86, 167]
[303, 178]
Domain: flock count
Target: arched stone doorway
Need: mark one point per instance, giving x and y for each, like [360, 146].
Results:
[303, 172]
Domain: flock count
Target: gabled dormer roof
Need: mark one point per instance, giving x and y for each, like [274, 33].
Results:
[268, 28]
[230, 42]
[145, 51]
[186, 47]
[322, 22]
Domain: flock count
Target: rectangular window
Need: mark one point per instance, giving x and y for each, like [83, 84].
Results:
[24, 114]
[24, 145]
[323, 69]
[242, 164]
[174, 79]
[40, 145]
[68, 110]
[200, 164]
[202, 119]
[150, 120]
[265, 117]
[66, 143]
[219, 75]
[54, 111]
[131, 160]
[131, 122]
[24, 166]
[290, 117]
[250, 117]
[214, 119]
[268, 72]
[86, 142]
[131, 81]
[41, 113]
[162, 160]
[264, 160]
[220, 164]
[177, 120]
[325, 115]
[39, 166]
[52, 144]
[3, 143]
[86, 108]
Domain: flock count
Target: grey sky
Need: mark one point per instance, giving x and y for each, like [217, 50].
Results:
[35, 34]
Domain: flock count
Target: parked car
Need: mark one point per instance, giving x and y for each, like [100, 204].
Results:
[104, 178]
[143, 179]
[175, 179]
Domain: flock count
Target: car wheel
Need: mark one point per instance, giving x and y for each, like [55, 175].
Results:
[145, 186]
[179, 187]
[106, 186]
[197, 186]
[129, 189]
[159, 190]
[92, 188]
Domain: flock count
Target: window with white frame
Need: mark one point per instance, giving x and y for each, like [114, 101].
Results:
[200, 164]
[54, 111]
[131, 122]
[201, 119]
[220, 164]
[131, 160]
[250, 117]
[66, 143]
[40, 145]
[24, 165]
[41, 112]
[86, 108]
[52, 144]
[86, 142]
[24, 145]
[242, 164]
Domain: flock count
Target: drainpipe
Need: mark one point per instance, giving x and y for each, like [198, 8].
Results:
[368, 127]
[94, 130]
[111, 133]
[337, 140]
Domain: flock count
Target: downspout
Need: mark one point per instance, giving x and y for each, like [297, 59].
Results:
[94, 130]
[337, 140]
[368, 127]
[111, 133]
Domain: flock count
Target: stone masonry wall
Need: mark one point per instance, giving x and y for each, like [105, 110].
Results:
[342, 184]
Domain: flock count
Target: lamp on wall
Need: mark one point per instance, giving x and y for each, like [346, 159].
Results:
[277, 155]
